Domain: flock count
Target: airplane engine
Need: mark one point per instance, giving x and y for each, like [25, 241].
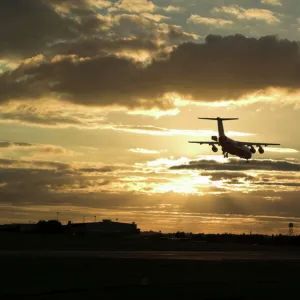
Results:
[214, 148]
[261, 150]
[252, 150]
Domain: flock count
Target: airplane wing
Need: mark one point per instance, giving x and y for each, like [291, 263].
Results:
[256, 144]
[207, 143]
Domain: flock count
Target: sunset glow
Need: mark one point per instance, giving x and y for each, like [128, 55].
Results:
[99, 99]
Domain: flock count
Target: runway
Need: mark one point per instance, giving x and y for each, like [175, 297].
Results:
[169, 255]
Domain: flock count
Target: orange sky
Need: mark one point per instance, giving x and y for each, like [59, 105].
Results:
[99, 99]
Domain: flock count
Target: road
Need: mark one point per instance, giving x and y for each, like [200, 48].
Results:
[173, 255]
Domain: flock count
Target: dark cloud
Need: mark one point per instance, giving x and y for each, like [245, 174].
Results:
[56, 166]
[279, 183]
[60, 27]
[230, 66]
[124, 34]
[24, 182]
[50, 183]
[33, 183]
[270, 177]
[222, 67]
[97, 46]
[8, 144]
[237, 165]
[35, 149]
[97, 170]
[227, 175]
[31, 115]
[141, 128]
[27, 26]
[33, 164]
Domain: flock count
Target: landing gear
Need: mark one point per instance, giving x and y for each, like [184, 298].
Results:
[224, 153]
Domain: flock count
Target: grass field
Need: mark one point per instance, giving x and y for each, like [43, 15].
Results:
[18, 241]
[86, 277]
[63, 278]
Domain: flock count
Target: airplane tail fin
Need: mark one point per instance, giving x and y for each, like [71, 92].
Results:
[220, 123]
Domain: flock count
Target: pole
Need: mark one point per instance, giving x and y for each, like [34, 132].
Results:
[57, 215]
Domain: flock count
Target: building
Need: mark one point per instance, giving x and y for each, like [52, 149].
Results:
[17, 227]
[103, 227]
[53, 226]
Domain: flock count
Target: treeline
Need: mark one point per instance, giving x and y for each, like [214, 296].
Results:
[259, 239]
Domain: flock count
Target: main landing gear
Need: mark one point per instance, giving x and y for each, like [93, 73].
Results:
[225, 154]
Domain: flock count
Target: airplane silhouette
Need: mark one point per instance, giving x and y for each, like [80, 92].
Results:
[229, 146]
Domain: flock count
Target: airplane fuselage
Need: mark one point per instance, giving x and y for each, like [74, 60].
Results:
[232, 147]
[238, 148]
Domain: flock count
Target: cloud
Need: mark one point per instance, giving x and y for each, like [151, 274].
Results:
[137, 37]
[35, 149]
[31, 164]
[237, 165]
[226, 175]
[38, 189]
[145, 151]
[8, 144]
[196, 19]
[46, 113]
[240, 66]
[272, 2]
[156, 18]
[100, 3]
[249, 14]
[76, 28]
[142, 28]
[42, 150]
[161, 131]
[282, 150]
[134, 6]
[175, 9]
[26, 27]
[104, 169]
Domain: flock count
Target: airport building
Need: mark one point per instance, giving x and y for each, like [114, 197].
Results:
[15, 227]
[53, 226]
[103, 227]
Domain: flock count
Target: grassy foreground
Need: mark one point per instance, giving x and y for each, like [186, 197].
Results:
[85, 278]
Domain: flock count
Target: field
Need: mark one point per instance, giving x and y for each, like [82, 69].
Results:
[84, 277]
[57, 267]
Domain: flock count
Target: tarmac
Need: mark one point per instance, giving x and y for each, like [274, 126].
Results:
[170, 255]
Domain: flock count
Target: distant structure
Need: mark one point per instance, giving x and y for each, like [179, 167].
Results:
[291, 229]
[105, 227]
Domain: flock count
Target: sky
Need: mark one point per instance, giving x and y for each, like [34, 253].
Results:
[98, 100]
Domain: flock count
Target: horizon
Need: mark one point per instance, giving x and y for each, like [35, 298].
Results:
[99, 99]
[250, 232]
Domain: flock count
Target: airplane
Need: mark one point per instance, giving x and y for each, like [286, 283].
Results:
[229, 146]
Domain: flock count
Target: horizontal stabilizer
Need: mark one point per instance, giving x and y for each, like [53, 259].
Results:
[205, 143]
[216, 119]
